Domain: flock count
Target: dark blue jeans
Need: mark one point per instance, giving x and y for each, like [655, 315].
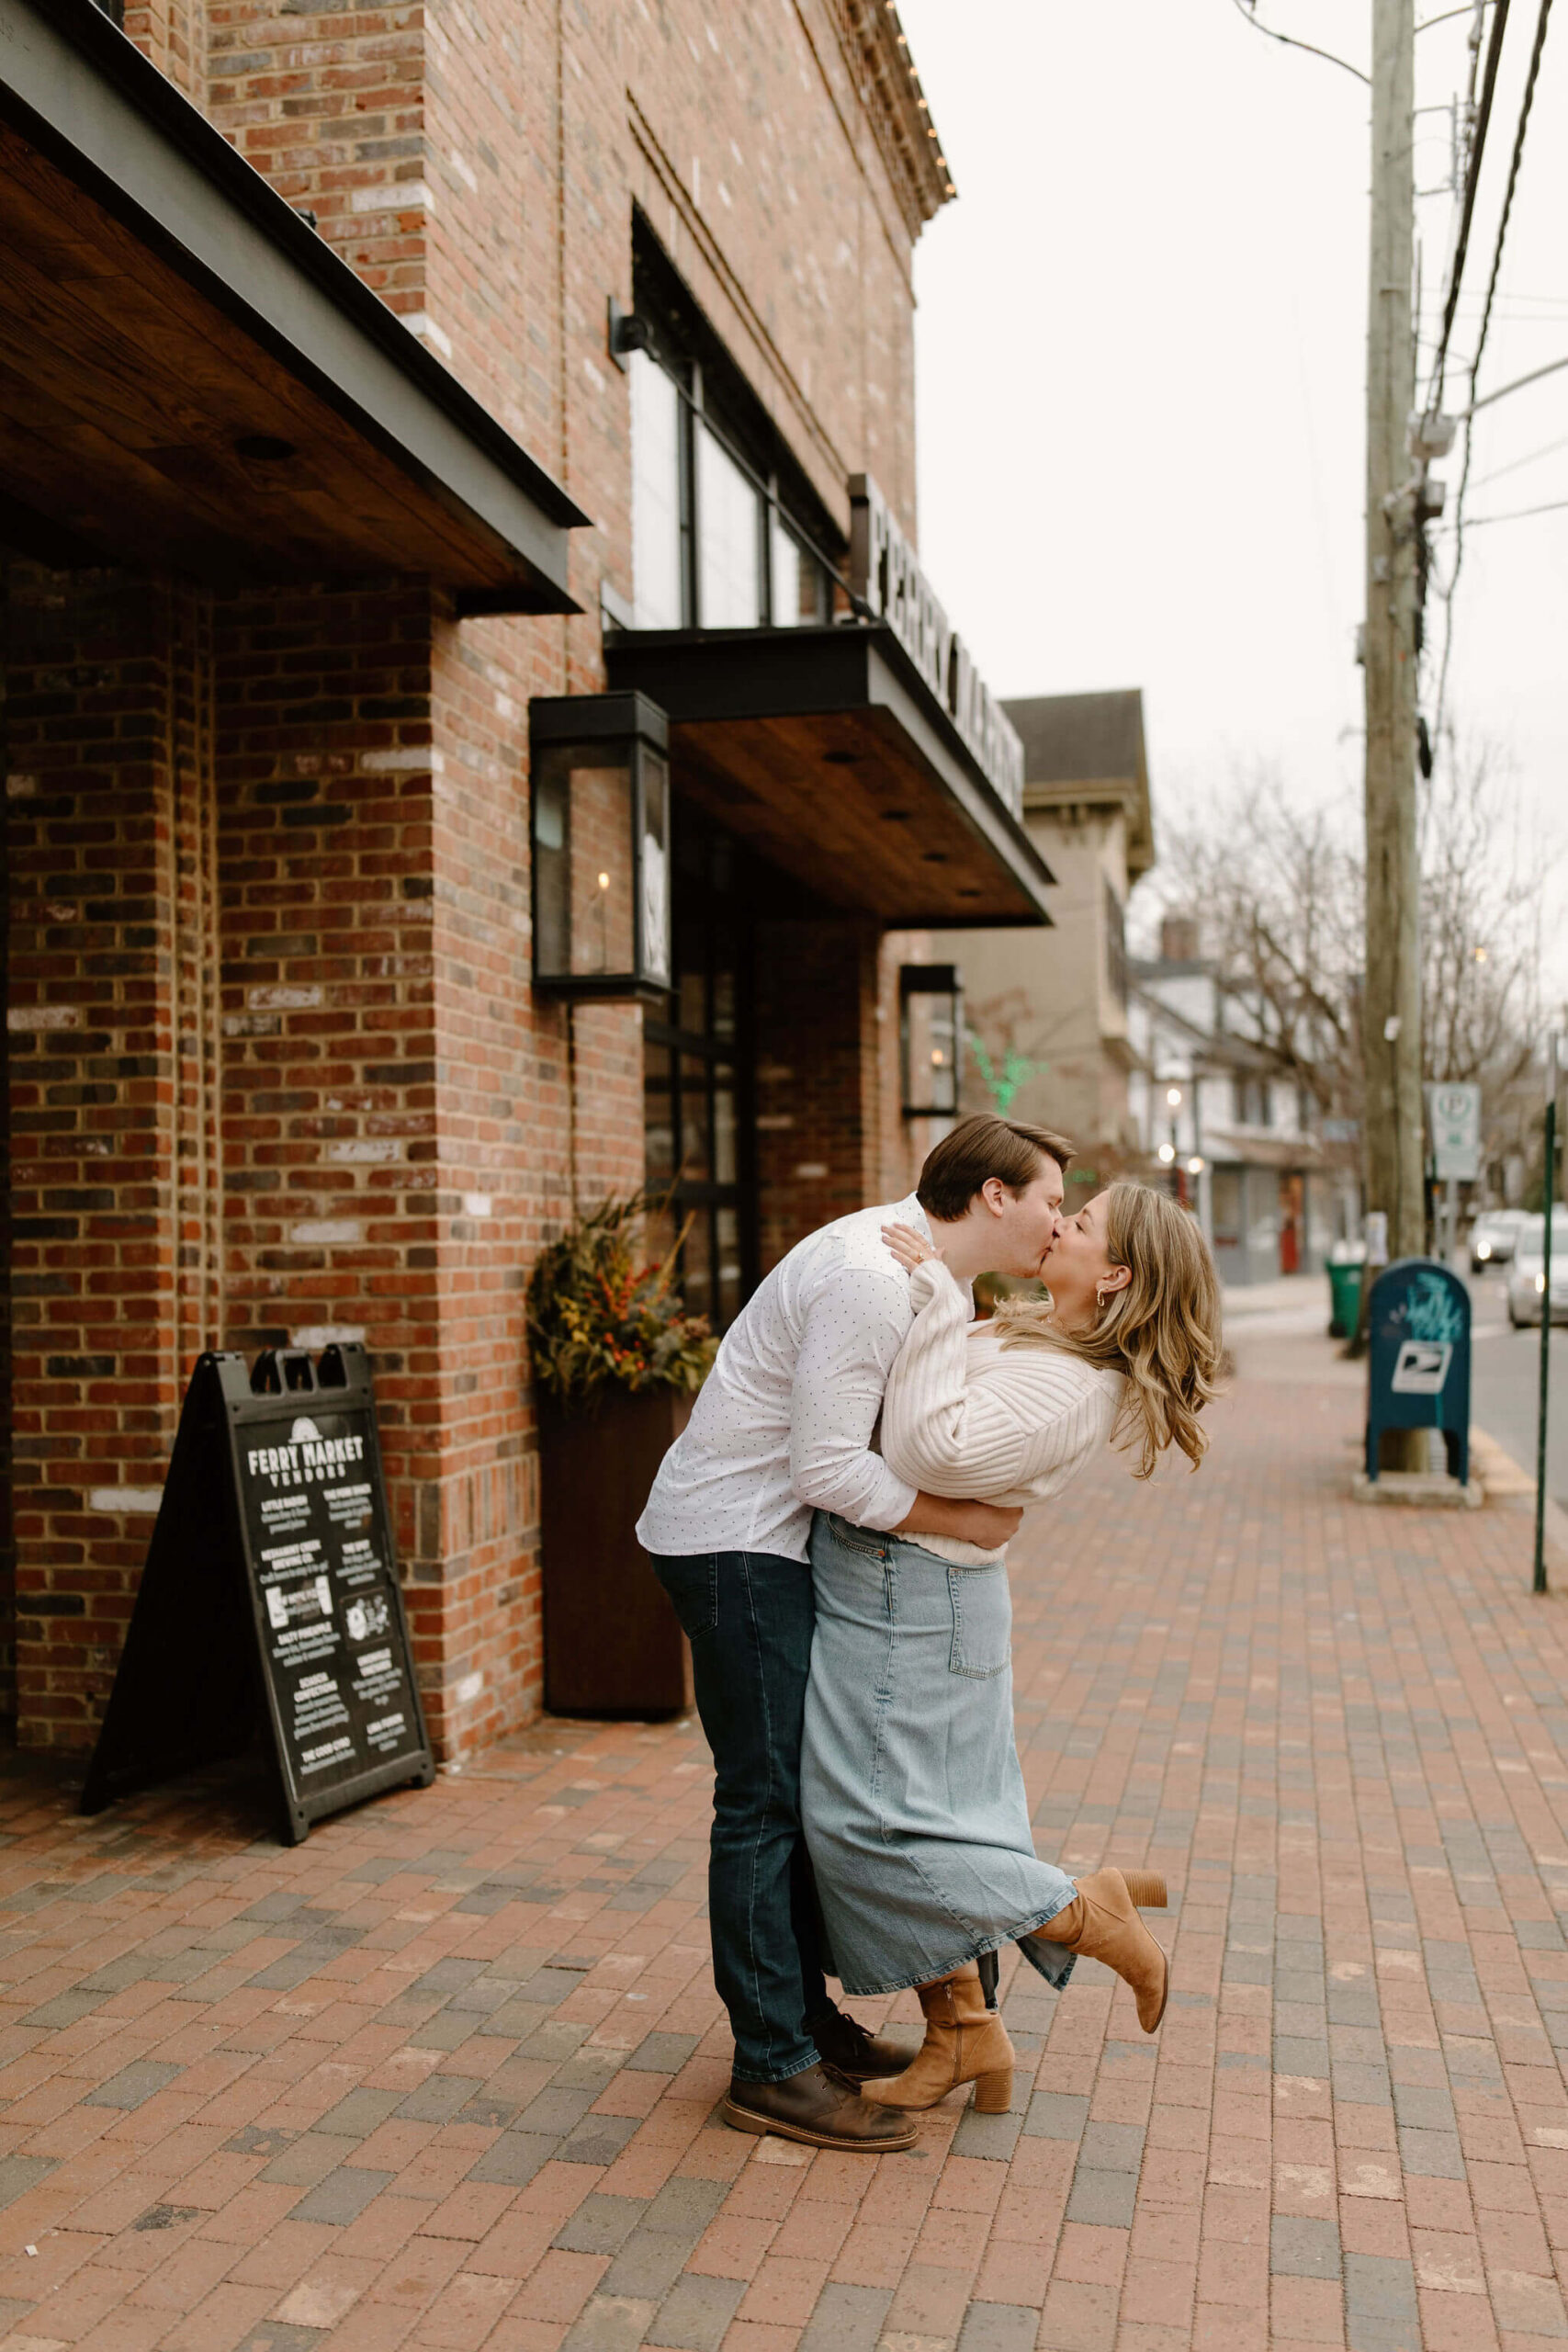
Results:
[749, 1616]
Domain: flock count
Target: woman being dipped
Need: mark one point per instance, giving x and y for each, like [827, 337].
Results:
[912, 1795]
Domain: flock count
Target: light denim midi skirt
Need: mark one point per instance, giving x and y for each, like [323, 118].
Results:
[911, 1794]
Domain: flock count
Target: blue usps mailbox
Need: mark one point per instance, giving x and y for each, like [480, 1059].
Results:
[1418, 1371]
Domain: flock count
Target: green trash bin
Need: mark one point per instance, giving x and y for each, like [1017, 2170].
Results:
[1345, 1300]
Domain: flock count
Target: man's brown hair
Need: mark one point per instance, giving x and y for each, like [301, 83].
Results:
[978, 1149]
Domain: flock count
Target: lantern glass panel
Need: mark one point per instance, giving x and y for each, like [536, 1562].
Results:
[931, 1042]
[654, 864]
[582, 842]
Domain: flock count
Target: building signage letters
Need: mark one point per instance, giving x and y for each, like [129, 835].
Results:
[885, 574]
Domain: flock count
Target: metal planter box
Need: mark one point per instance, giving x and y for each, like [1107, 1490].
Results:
[612, 1643]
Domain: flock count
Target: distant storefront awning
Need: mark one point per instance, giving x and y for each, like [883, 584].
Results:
[1225, 1148]
[190, 377]
[827, 750]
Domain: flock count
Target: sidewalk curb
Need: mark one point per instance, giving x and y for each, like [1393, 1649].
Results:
[1505, 1481]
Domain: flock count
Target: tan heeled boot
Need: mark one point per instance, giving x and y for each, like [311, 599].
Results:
[1102, 1923]
[965, 2042]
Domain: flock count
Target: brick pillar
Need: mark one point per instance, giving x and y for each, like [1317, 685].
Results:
[818, 1126]
[111, 1050]
[332, 1217]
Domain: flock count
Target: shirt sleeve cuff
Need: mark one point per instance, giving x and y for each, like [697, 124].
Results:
[892, 1506]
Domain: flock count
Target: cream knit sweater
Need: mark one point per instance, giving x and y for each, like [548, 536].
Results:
[968, 1418]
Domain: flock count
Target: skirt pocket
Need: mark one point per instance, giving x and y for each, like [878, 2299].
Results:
[982, 1620]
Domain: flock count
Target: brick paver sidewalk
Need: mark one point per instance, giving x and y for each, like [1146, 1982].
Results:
[446, 2075]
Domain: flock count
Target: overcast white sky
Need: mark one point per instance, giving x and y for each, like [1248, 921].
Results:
[1141, 359]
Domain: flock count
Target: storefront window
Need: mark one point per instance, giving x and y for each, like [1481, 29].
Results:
[784, 577]
[696, 1072]
[656, 494]
[730, 523]
[748, 563]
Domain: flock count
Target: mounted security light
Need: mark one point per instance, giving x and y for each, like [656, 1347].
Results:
[931, 1038]
[626, 333]
[601, 797]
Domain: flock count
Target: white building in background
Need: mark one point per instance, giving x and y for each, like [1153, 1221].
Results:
[1046, 1010]
[1217, 1107]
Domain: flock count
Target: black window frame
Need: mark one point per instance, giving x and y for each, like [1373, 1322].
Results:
[715, 395]
[711, 896]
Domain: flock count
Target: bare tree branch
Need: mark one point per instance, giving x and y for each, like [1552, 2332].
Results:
[1278, 894]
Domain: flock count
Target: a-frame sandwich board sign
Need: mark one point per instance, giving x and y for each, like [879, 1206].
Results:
[270, 1590]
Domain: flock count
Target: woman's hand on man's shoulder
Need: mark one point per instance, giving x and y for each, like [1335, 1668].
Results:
[909, 1248]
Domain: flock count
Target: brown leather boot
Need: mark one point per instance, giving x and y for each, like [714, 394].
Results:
[819, 2108]
[965, 2042]
[1102, 1923]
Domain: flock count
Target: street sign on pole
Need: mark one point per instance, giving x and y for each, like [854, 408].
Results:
[1453, 1113]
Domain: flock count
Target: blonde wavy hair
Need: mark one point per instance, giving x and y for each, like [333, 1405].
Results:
[1161, 1330]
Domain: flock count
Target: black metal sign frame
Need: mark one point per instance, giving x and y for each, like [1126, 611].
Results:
[270, 1590]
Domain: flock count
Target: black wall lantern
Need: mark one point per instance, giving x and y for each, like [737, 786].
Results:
[931, 1038]
[601, 795]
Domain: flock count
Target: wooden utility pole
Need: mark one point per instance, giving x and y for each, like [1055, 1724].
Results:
[1392, 999]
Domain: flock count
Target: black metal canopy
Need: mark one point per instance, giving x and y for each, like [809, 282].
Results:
[827, 748]
[189, 375]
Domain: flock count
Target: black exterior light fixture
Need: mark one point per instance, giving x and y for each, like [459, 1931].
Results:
[931, 1038]
[601, 797]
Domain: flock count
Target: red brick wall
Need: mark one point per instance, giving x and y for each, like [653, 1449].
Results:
[106, 677]
[530, 1097]
[329, 105]
[173, 34]
[276, 1071]
[478, 167]
[818, 1123]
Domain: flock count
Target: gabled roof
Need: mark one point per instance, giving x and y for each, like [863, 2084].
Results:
[1078, 746]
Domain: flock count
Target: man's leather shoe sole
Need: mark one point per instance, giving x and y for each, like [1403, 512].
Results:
[747, 2118]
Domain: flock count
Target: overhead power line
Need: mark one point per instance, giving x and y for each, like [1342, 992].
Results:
[1247, 7]
[1467, 209]
[1527, 102]
[1518, 514]
[1547, 450]
[1517, 385]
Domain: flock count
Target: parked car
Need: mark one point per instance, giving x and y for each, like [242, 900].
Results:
[1492, 1238]
[1527, 1276]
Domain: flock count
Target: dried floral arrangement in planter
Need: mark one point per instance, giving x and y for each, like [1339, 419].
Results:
[600, 1318]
